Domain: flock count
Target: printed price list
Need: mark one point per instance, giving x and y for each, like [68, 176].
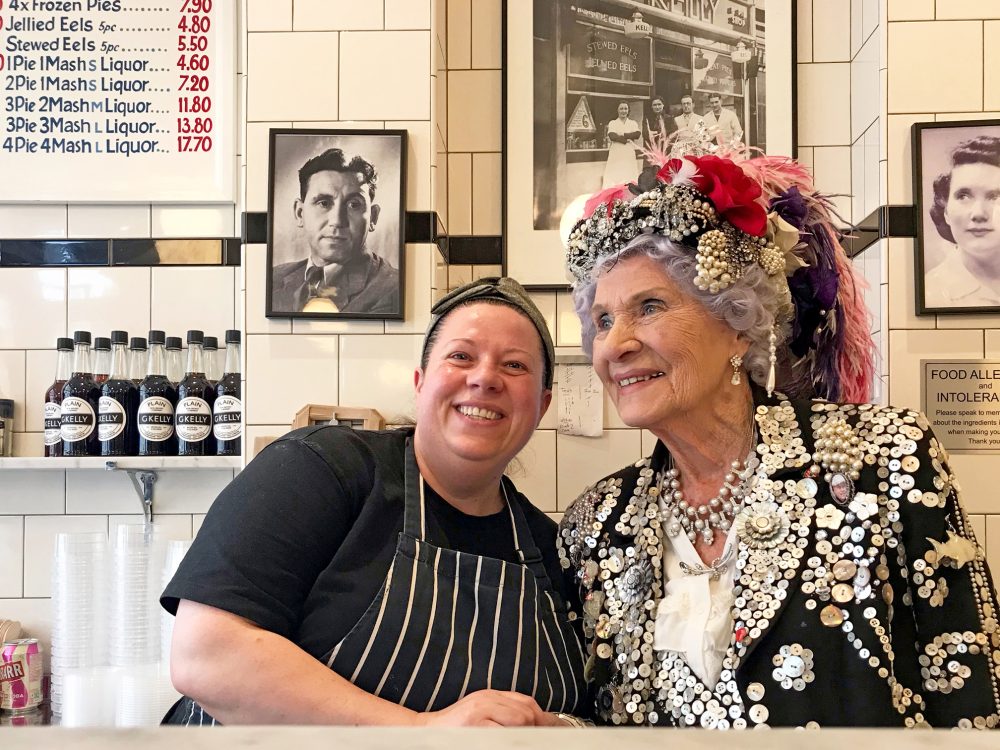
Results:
[118, 79]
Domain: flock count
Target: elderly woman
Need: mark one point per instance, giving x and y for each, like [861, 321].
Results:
[776, 560]
[395, 577]
[966, 212]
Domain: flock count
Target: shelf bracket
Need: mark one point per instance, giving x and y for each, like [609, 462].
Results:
[143, 481]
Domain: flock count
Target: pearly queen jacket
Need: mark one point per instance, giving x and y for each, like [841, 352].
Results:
[876, 610]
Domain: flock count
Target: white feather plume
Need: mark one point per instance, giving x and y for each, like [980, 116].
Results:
[684, 175]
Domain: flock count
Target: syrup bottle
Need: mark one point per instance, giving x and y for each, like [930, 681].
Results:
[78, 421]
[137, 360]
[119, 404]
[53, 398]
[102, 359]
[175, 365]
[195, 397]
[227, 417]
[210, 356]
[157, 399]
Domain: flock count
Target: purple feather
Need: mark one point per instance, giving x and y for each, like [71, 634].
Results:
[791, 206]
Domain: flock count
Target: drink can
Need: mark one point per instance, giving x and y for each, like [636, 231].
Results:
[20, 676]
[34, 718]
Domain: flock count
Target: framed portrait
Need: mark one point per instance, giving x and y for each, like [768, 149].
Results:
[582, 76]
[335, 213]
[956, 184]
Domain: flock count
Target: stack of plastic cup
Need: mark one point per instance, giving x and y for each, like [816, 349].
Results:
[136, 572]
[79, 603]
[144, 695]
[175, 553]
[90, 697]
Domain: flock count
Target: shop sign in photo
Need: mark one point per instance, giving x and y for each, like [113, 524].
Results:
[335, 224]
[956, 183]
[587, 85]
[961, 398]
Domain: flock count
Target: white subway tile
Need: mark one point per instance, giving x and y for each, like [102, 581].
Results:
[865, 101]
[386, 92]
[459, 194]
[993, 543]
[303, 325]
[28, 444]
[487, 191]
[819, 123]
[196, 297]
[97, 220]
[257, 160]
[40, 373]
[269, 15]
[474, 110]
[832, 20]
[255, 266]
[95, 491]
[973, 10]
[977, 476]
[978, 524]
[11, 556]
[459, 34]
[907, 348]
[197, 221]
[39, 546]
[804, 31]
[196, 521]
[12, 369]
[870, 18]
[857, 38]
[928, 58]
[171, 526]
[36, 493]
[873, 147]
[308, 361]
[337, 15]
[902, 288]
[102, 299]
[487, 20]
[583, 461]
[419, 153]
[35, 616]
[33, 221]
[534, 475]
[408, 14]
[900, 155]
[910, 10]
[417, 292]
[832, 173]
[377, 372]
[568, 332]
[315, 55]
[43, 292]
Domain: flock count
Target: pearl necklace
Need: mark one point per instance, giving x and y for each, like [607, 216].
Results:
[716, 515]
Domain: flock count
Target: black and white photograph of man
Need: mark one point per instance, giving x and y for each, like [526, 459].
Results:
[722, 123]
[335, 242]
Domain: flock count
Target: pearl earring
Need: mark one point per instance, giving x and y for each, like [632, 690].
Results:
[736, 360]
[772, 357]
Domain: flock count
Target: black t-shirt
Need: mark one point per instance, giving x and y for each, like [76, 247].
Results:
[300, 542]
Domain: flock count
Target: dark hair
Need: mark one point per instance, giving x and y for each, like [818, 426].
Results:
[659, 99]
[432, 337]
[984, 149]
[332, 160]
[715, 96]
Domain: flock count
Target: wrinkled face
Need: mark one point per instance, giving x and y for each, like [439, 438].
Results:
[660, 354]
[716, 103]
[687, 104]
[336, 215]
[973, 210]
[657, 106]
[623, 110]
[481, 396]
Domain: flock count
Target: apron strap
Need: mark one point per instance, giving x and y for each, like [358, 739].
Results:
[415, 518]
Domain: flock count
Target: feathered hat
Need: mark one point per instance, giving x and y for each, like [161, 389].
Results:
[732, 209]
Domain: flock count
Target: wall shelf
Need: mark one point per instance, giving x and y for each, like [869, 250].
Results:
[152, 463]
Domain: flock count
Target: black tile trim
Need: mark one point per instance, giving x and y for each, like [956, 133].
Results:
[883, 222]
[420, 227]
[481, 250]
[254, 227]
[64, 252]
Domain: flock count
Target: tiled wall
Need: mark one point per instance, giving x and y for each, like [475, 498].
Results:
[942, 62]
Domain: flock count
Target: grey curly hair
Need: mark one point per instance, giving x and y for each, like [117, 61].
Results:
[748, 306]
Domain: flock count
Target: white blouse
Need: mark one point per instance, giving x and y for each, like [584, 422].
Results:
[695, 616]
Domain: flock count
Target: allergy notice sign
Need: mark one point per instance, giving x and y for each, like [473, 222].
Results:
[118, 100]
[961, 398]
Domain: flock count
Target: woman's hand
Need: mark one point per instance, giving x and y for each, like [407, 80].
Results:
[490, 708]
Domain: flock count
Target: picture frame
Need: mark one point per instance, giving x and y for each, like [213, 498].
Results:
[335, 224]
[358, 418]
[956, 188]
[566, 66]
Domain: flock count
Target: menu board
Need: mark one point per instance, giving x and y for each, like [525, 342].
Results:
[118, 100]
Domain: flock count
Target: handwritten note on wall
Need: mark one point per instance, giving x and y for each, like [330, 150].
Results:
[581, 401]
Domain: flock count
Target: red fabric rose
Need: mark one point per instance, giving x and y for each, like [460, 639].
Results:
[733, 194]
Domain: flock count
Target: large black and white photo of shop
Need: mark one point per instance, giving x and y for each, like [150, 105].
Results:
[611, 75]
[956, 173]
[335, 224]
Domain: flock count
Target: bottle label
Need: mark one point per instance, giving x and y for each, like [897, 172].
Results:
[53, 423]
[77, 420]
[194, 419]
[111, 418]
[155, 419]
[228, 418]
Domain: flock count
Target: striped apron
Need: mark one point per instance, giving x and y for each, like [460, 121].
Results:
[449, 623]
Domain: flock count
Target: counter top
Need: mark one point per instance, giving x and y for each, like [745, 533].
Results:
[324, 738]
